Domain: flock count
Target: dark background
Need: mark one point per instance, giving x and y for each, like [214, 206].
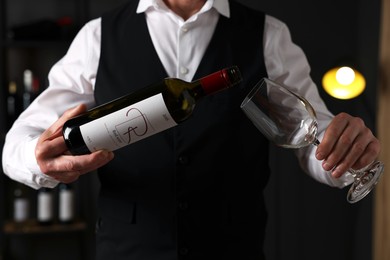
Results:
[307, 220]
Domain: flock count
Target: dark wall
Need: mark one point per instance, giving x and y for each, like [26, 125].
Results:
[308, 220]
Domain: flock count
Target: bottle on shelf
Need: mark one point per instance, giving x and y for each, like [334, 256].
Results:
[45, 201]
[12, 103]
[31, 88]
[142, 113]
[21, 203]
[65, 203]
[27, 82]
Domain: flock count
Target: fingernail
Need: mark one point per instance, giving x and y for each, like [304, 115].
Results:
[336, 173]
[107, 154]
[319, 156]
[326, 166]
[110, 155]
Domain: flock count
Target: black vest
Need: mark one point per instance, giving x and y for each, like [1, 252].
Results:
[193, 191]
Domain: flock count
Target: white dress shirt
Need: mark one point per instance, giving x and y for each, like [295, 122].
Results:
[180, 45]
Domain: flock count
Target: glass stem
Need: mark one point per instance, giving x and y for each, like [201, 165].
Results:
[316, 142]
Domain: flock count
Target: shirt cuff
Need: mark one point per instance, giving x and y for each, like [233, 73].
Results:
[39, 179]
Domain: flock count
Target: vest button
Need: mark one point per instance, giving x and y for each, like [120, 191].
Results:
[183, 160]
[183, 251]
[98, 225]
[183, 205]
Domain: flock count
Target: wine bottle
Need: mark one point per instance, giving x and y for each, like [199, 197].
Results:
[27, 82]
[142, 113]
[66, 203]
[45, 206]
[21, 203]
[12, 103]
[31, 88]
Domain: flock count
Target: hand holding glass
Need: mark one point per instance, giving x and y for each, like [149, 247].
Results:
[289, 121]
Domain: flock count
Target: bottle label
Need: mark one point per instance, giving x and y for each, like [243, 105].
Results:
[128, 125]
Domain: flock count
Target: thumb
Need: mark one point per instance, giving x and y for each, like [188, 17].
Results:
[55, 130]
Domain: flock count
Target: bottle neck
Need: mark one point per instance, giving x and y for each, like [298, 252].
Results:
[220, 80]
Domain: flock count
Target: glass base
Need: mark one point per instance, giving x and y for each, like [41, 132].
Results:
[365, 182]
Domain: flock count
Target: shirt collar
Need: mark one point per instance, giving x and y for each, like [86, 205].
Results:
[222, 6]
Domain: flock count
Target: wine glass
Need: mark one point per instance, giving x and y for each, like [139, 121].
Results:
[288, 120]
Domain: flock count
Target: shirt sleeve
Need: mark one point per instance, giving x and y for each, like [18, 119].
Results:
[286, 63]
[71, 82]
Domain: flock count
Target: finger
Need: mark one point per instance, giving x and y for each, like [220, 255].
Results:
[78, 164]
[348, 147]
[89, 162]
[355, 153]
[68, 168]
[332, 134]
[50, 148]
[356, 148]
[66, 177]
[370, 154]
[56, 129]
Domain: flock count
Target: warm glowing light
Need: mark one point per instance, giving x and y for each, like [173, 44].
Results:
[343, 83]
[345, 75]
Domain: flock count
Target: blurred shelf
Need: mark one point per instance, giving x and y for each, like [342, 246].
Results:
[36, 43]
[33, 227]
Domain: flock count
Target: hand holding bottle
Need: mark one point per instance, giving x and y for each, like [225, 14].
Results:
[53, 160]
[94, 134]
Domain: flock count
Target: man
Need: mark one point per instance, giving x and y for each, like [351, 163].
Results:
[175, 195]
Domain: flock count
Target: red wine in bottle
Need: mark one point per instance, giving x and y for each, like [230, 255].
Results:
[142, 113]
